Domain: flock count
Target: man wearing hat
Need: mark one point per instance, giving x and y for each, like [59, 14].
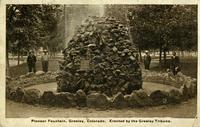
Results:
[45, 61]
[31, 60]
[175, 63]
[147, 60]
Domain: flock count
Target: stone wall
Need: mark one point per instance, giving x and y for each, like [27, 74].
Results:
[185, 90]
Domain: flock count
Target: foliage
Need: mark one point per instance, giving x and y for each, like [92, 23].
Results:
[32, 26]
[53, 24]
[167, 26]
[160, 26]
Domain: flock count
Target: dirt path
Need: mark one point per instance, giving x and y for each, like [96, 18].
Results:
[20, 110]
[148, 86]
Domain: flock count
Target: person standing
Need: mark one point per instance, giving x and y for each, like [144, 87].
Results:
[147, 60]
[45, 61]
[175, 63]
[31, 60]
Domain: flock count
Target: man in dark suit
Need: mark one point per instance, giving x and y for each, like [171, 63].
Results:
[31, 60]
[45, 61]
[147, 60]
[175, 63]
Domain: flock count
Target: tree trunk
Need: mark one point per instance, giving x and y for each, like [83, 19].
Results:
[165, 56]
[18, 57]
[22, 57]
[160, 57]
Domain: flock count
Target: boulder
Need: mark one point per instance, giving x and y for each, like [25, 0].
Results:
[191, 85]
[32, 96]
[9, 91]
[29, 74]
[174, 96]
[135, 100]
[22, 76]
[141, 97]
[48, 98]
[184, 92]
[119, 101]
[17, 95]
[127, 98]
[138, 98]
[64, 99]
[38, 73]
[49, 72]
[180, 74]
[97, 100]
[8, 78]
[80, 98]
[159, 97]
[193, 89]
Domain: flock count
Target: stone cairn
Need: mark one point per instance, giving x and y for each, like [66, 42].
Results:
[100, 57]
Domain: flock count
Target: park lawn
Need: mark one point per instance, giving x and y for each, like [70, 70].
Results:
[22, 69]
[188, 66]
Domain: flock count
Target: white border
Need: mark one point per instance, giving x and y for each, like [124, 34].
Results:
[21, 122]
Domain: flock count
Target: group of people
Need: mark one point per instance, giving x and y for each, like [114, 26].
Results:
[31, 61]
[174, 63]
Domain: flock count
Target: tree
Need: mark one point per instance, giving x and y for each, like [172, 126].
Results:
[32, 26]
[160, 27]
[184, 28]
[165, 27]
[53, 20]
[22, 28]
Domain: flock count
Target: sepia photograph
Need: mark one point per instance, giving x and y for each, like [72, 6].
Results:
[101, 60]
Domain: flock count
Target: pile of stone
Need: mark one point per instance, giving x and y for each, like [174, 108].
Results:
[186, 84]
[168, 78]
[100, 57]
[30, 79]
[95, 99]
[138, 98]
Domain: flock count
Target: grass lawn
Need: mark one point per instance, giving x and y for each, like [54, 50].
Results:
[188, 66]
[23, 68]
